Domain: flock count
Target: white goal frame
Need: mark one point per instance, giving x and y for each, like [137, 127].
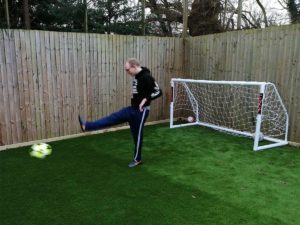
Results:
[256, 134]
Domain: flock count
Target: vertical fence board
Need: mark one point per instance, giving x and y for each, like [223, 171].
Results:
[77, 85]
[20, 86]
[16, 89]
[102, 41]
[25, 79]
[80, 69]
[4, 112]
[100, 76]
[68, 73]
[95, 77]
[119, 73]
[12, 129]
[57, 81]
[35, 77]
[32, 110]
[106, 75]
[294, 78]
[113, 73]
[50, 84]
[88, 75]
[84, 47]
[54, 98]
[45, 83]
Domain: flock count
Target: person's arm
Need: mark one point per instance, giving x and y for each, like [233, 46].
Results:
[151, 88]
[141, 106]
[156, 91]
[151, 91]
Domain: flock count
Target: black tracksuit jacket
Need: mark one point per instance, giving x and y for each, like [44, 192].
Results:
[144, 86]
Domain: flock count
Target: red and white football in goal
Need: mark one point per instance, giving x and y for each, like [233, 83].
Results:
[191, 119]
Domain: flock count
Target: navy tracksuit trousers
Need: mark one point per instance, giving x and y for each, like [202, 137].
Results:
[133, 116]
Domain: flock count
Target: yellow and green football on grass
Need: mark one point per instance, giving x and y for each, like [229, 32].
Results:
[40, 150]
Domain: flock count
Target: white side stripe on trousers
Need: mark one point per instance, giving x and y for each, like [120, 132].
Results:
[139, 135]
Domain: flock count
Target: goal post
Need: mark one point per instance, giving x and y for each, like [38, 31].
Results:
[245, 108]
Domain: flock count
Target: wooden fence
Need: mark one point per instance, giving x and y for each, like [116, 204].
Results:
[271, 54]
[48, 78]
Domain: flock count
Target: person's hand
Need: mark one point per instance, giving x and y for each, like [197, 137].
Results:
[141, 106]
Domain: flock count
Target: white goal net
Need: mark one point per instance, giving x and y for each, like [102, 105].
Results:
[252, 109]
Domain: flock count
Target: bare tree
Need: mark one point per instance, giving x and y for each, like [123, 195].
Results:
[204, 17]
[164, 14]
[283, 3]
[143, 16]
[224, 12]
[239, 18]
[7, 14]
[185, 18]
[85, 5]
[264, 12]
[26, 14]
[294, 11]
[247, 14]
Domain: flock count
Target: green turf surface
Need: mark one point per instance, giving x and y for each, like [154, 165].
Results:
[190, 175]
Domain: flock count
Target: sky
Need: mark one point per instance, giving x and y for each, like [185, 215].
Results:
[273, 9]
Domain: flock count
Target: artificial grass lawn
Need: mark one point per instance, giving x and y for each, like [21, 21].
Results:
[190, 175]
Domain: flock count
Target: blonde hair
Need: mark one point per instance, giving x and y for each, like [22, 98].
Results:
[133, 62]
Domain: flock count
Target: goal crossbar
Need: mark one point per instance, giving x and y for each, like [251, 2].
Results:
[217, 82]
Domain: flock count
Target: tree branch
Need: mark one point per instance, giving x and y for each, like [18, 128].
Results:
[264, 12]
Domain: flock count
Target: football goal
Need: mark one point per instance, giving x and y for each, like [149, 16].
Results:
[251, 109]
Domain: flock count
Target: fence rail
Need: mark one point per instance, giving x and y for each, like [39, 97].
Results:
[47, 78]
